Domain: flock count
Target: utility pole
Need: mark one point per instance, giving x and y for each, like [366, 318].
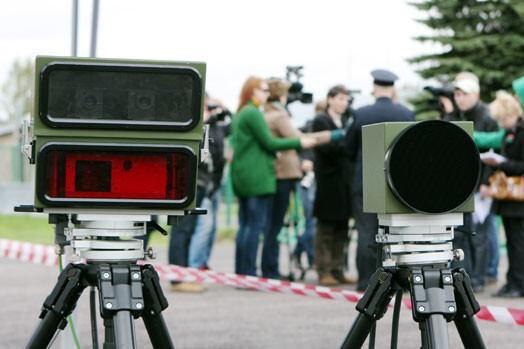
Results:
[94, 29]
[74, 42]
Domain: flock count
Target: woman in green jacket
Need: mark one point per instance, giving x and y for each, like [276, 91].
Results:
[253, 171]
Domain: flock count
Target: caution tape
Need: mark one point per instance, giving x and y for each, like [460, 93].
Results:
[41, 254]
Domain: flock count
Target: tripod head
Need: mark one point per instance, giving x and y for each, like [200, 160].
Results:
[102, 238]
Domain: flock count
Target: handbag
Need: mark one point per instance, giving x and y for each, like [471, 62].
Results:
[504, 187]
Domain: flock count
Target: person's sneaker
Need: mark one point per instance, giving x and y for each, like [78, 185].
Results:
[190, 287]
[509, 291]
[328, 281]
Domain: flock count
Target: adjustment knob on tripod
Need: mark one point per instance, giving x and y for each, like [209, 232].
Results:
[150, 253]
[458, 254]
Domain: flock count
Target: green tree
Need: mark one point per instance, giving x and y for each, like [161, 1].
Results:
[485, 37]
[15, 99]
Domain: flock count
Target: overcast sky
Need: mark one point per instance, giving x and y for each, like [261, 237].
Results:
[335, 41]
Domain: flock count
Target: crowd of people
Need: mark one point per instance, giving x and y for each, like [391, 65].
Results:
[271, 159]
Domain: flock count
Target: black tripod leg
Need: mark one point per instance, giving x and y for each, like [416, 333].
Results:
[46, 330]
[359, 332]
[434, 332]
[155, 302]
[58, 306]
[467, 307]
[372, 306]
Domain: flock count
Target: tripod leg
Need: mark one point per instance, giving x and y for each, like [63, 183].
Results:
[359, 332]
[434, 332]
[467, 307]
[372, 306]
[155, 302]
[124, 329]
[58, 305]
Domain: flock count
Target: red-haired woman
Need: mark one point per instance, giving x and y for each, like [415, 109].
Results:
[253, 171]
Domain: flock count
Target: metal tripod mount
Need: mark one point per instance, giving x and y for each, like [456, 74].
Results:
[417, 249]
[126, 290]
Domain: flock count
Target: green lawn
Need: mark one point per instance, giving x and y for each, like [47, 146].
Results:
[32, 228]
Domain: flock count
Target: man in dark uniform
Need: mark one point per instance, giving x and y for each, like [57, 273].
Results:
[384, 110]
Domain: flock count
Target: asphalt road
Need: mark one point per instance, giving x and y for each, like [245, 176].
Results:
[225, 317]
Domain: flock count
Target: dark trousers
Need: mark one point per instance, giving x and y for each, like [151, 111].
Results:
[330, 240]
[270, 249]
[181, 233]
[367, 227]
[480, 250]
[514, 228]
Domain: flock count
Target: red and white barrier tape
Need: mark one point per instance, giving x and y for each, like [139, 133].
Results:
[40, 254]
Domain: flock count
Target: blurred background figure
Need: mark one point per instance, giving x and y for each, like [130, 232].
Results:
[181, 234]
[253, 172]
[383, 110]
[307, 189]
[508, 112]
[332, 205]
[210, 172]
[475, 247]
[287, 172]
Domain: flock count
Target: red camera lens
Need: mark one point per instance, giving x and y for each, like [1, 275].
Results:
[116, 176]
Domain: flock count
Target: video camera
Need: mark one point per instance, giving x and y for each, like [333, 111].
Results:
[120, 134]
[217, 113]
[434, 102]
[293, 75]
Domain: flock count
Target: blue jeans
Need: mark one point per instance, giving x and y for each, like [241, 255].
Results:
[494, 253]
[205, 231]
[270, 250]
[305, 242]
[253, 217]
[181, 233]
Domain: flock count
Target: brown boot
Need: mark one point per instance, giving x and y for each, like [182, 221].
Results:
[348, 281]
[190, 287]
[328, 281]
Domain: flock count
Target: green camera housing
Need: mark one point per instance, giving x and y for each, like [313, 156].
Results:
[102, 117]
[377, 194]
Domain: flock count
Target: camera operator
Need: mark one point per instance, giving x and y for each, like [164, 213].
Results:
[182, 241]
[210, 172]
[471, 108]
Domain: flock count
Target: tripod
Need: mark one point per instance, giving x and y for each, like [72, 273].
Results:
[417, 263]
[127, 291]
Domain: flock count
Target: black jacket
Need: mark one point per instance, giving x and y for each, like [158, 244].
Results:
[384, 110]
[513, 150]
[333, 175]
[210, 171]
[482, 121]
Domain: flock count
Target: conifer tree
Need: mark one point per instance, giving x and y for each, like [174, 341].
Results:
[485, 37]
